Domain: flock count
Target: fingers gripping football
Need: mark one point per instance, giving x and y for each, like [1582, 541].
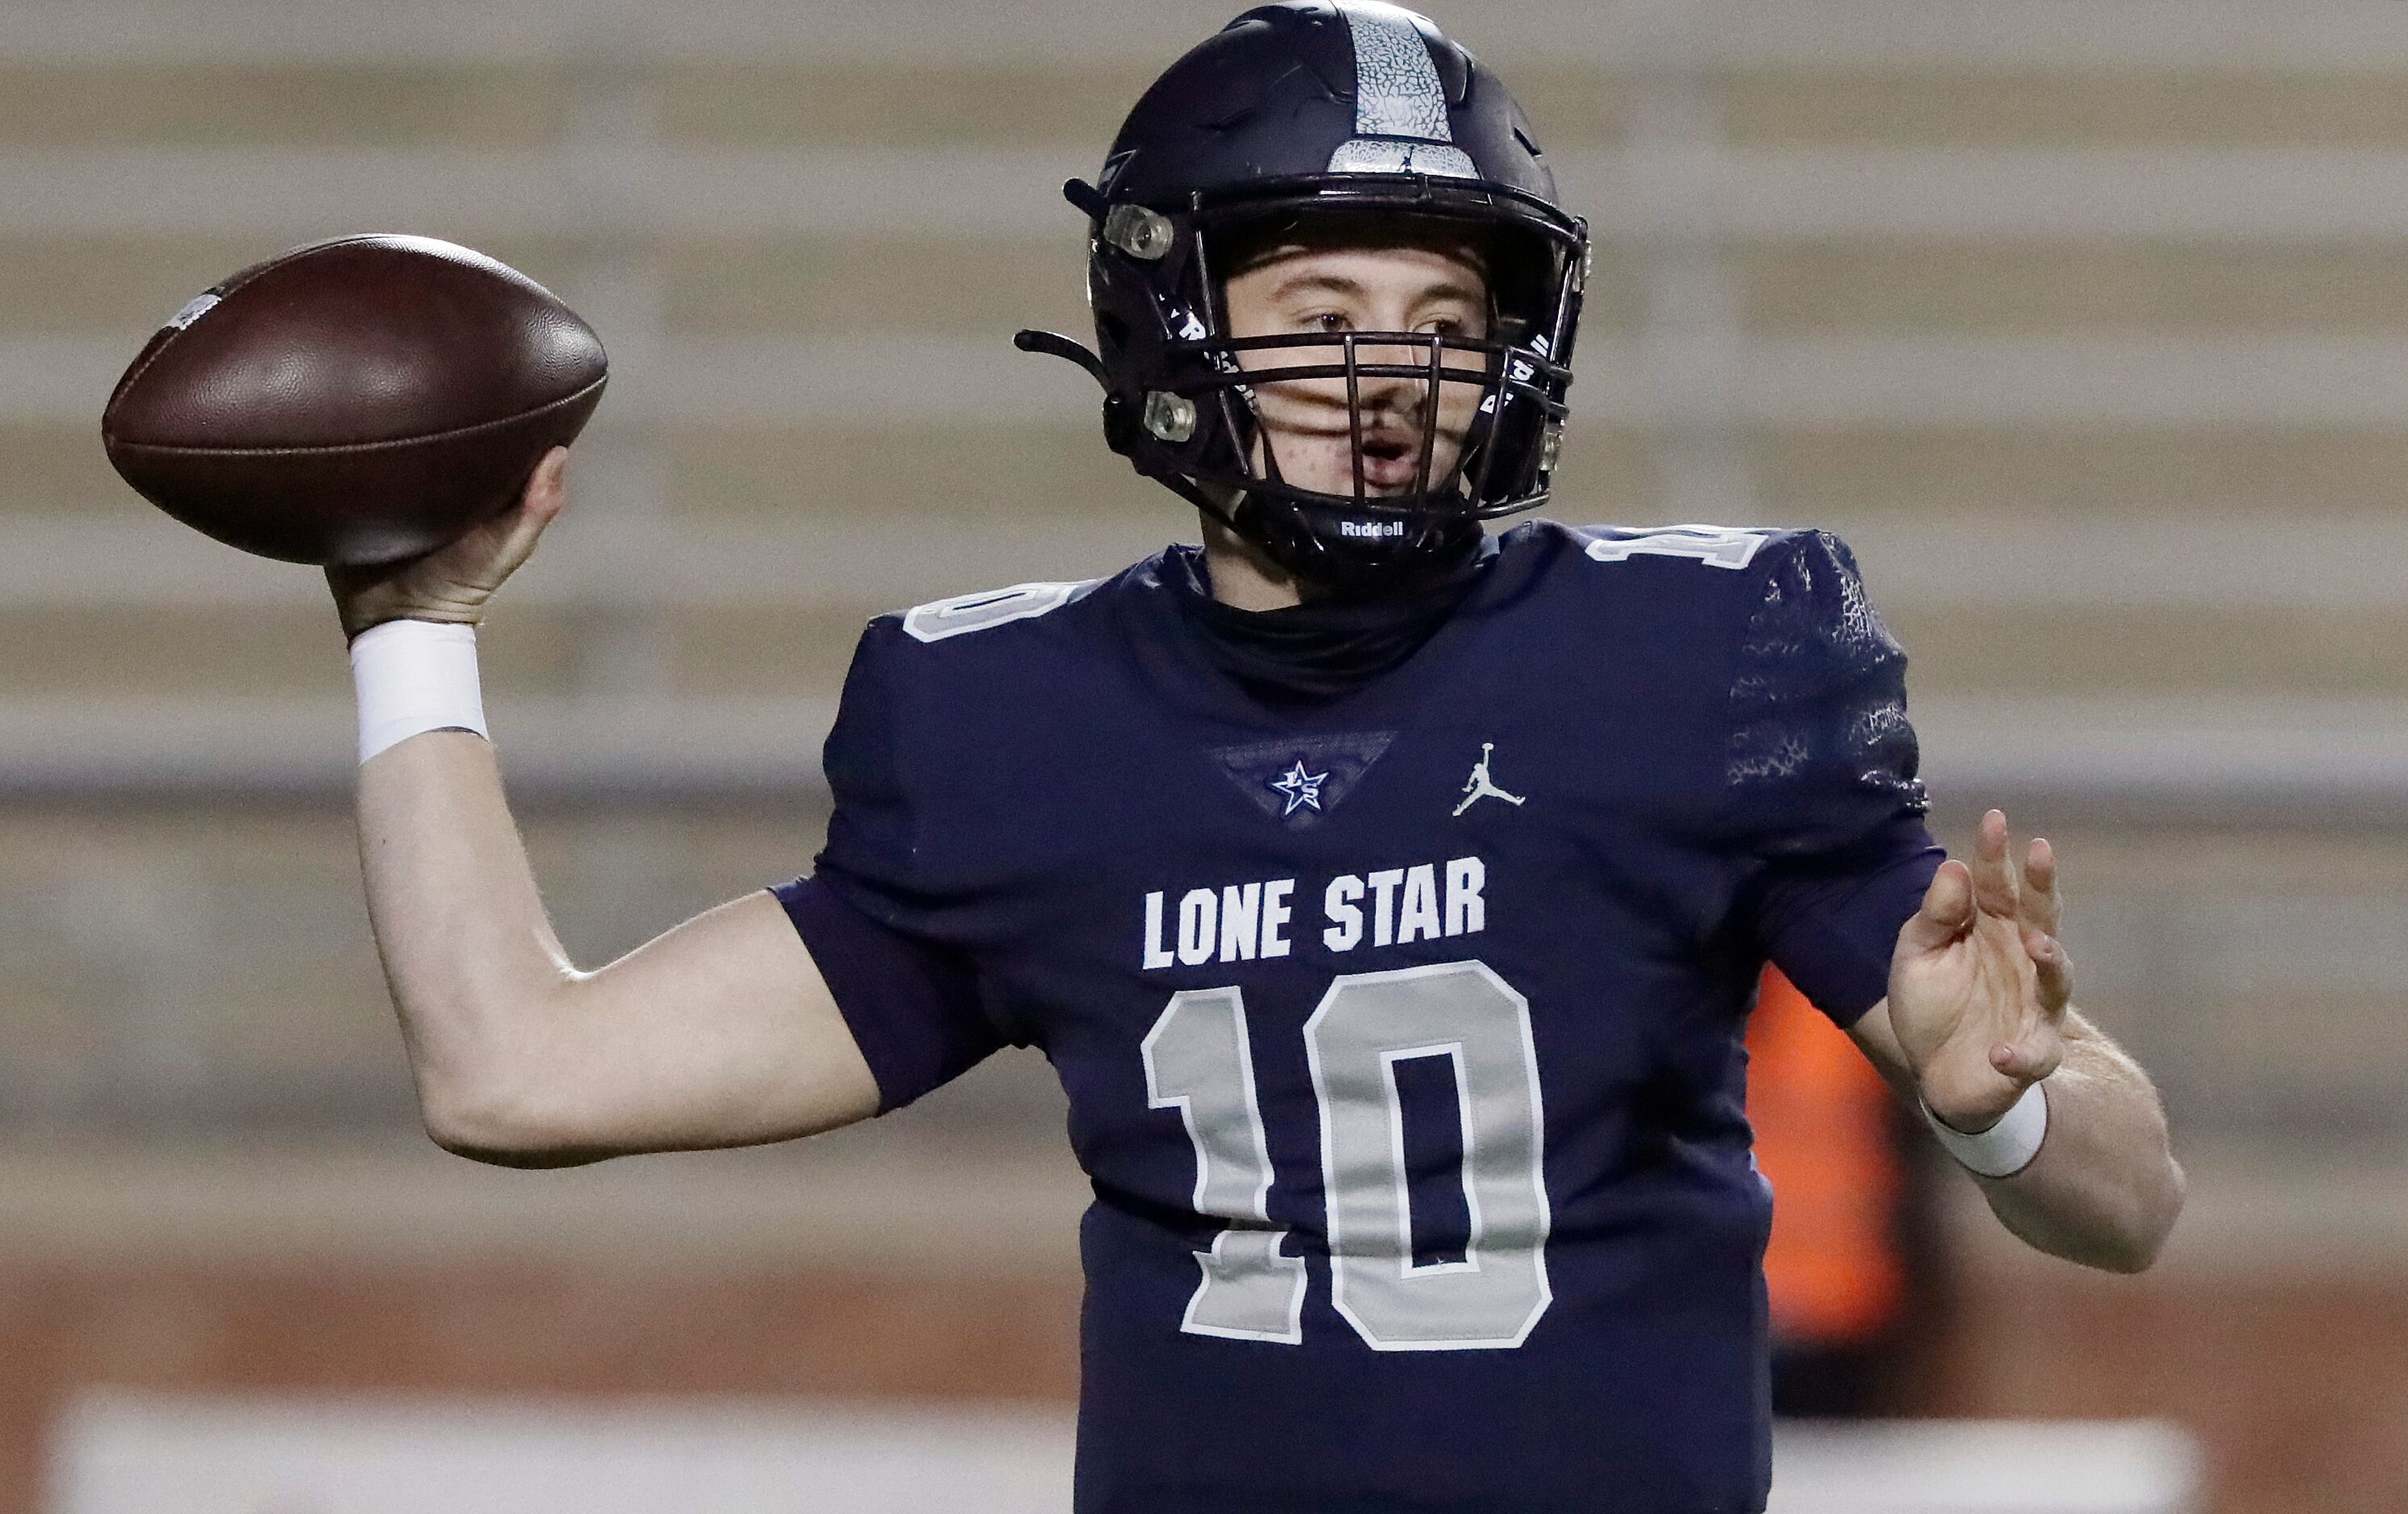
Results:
[455, 581]
[1980, 985]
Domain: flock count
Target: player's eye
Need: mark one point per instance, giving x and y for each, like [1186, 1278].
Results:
[1332, 321]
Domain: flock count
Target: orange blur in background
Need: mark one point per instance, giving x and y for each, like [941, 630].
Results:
[1825, 1139]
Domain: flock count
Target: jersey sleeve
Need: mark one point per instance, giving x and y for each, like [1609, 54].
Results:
[1820, 778]
[891, 932]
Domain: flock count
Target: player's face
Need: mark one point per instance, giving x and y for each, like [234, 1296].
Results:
[1332, 291]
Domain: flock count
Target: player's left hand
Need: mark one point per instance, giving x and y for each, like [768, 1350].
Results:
[1979, 984]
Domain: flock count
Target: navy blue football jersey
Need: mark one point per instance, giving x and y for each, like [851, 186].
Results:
[1402, 1031]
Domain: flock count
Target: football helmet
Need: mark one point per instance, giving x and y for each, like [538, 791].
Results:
[1310, 119]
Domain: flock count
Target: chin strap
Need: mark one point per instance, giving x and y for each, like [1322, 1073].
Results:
[1088, 198]
[1054, 344]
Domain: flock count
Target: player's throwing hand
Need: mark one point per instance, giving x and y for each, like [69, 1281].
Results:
[453, 582]
[1979, 985]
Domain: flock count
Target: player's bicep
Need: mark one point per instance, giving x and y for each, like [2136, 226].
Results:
[722, 1032]
[1831, 922]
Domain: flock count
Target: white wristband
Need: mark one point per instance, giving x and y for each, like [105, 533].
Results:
[2006, 1147]
[413, 677]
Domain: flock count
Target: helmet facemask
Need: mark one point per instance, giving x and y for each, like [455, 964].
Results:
[1191, 401]
[1434, 430]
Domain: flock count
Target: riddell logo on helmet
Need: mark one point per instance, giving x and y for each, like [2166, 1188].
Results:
[1371, 530]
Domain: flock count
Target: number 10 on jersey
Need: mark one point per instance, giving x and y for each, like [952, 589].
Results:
[1199, 1060]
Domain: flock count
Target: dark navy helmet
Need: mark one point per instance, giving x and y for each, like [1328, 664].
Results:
[1329, 121]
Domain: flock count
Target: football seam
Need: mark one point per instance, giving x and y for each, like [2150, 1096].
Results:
[239, 278]
[329, 448]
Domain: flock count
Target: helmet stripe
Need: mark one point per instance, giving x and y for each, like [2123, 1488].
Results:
[1397, 91]
[1397, 94]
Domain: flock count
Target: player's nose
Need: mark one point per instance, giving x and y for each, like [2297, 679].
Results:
[1402, 390]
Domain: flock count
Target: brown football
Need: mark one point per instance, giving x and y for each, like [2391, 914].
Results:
[354, 402]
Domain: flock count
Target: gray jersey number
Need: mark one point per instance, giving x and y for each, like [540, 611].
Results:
[941, 619]
[1367, 1023]
[1198, 1061]
[1722, 547]
[1197, 1058]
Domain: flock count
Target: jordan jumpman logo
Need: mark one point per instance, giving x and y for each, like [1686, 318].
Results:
[1479, 786]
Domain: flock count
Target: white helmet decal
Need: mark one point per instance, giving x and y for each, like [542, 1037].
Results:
[1400, 121]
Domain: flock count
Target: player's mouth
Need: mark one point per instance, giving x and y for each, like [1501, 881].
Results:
[1390, 457]
[1389, 460]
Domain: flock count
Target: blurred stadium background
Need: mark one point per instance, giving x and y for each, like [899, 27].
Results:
[2086, 321]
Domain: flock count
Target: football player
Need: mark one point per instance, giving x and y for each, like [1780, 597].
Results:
[1389, 897]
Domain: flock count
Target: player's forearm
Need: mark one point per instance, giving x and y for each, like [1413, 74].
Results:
[475, 969]
[718, 1032]
[2104, 1189]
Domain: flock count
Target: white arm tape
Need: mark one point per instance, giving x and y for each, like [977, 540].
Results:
[2006, 1147]
[413, 677]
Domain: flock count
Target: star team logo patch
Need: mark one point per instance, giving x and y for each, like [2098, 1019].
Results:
[1302, 789]
[1297, 782]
